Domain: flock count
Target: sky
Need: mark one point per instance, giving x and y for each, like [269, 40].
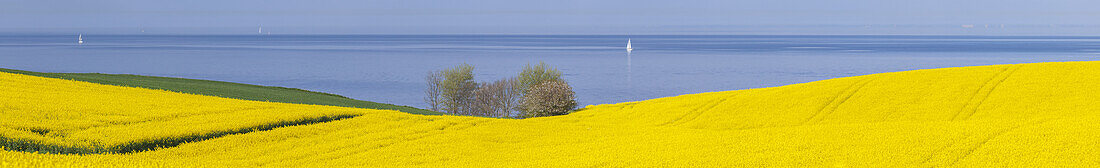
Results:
[1023, 17]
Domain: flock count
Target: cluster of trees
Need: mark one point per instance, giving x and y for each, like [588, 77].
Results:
[537, 91]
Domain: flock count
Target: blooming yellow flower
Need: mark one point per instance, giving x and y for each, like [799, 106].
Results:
[1025, 115]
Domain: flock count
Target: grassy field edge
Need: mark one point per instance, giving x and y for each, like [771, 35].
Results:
[225, 89]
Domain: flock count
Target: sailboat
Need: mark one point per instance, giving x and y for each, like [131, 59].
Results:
[80, 39]
[628, 48]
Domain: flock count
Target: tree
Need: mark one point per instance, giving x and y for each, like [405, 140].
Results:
[531, 76]
[496, 99]
[548, 99]
[458, 87]
[538, 91]
[433, 95]
[510, 97]
[534, 75]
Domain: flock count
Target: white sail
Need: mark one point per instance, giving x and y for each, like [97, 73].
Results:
[80, 39]
[628, 48]
[261, 31]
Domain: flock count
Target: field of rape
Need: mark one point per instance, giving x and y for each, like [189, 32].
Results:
[60, 116]
[1023, 115]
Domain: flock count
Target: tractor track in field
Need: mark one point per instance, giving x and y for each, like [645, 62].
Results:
[837, 101]
[983, 93]
[153, 144]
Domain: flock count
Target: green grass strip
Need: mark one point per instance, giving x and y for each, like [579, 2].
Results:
[226, 89]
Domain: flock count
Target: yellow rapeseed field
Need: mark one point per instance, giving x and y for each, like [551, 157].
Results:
[1025, 115]
[54, 113]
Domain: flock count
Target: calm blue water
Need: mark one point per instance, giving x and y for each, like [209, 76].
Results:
[390, 69]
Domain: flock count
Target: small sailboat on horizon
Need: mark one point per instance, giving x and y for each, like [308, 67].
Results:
[80, 39]
[628, 48]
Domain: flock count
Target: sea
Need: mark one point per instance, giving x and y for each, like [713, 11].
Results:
[391, 68]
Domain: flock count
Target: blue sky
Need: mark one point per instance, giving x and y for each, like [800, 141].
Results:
[1073, 17]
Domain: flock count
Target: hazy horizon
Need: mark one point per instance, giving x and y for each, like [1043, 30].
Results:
[620, 17]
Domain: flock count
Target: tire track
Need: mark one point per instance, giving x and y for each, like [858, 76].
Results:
[983, 93]
[693, 111]
[700, 112]
[837, 101]
[157, 143]
[991, 137]
[405, 137]
[945, 154]
[937, 151]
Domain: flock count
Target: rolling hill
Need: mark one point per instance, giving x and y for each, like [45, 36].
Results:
[1022, 115]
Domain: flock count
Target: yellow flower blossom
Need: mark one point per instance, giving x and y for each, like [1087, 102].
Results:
[1025, 115]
